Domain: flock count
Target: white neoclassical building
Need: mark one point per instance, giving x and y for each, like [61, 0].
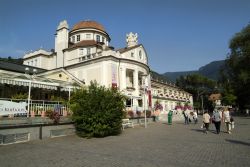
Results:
[83, 53]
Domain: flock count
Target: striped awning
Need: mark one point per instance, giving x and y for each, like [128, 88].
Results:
[34, 83]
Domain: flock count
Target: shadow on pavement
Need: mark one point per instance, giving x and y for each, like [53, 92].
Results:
[242, 124]
[238, 142]
[198, 130]
[180, 123]
[211, 131]
[245, 117]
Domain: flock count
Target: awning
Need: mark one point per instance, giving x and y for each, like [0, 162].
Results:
[36, 84]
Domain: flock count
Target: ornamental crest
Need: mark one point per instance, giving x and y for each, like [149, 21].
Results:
[131, 39]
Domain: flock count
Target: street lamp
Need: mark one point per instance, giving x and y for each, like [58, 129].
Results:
[144, 98]
[31, 75]
[202, 104]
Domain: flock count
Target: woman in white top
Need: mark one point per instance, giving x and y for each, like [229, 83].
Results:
[206, 121]
[227, 119]
[195, 116]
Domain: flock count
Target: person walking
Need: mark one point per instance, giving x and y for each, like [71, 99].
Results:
[206, 121]
[217, 120]
[186, 117]
[227, 119]
[195, 117]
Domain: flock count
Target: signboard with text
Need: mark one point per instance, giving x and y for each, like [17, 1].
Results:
[9, 107]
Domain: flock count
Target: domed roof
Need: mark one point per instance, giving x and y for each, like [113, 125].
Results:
[88, 24]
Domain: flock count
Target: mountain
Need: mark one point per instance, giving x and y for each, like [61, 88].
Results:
[159, 77]
[172, 76]
[211, 71]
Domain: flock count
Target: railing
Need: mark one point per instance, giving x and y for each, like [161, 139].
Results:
[38, 108]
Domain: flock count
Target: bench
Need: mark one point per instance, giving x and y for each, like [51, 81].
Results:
[127, 123]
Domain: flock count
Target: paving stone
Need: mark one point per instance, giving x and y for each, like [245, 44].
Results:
[159, 145]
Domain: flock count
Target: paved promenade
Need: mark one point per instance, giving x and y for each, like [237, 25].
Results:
[159, 145]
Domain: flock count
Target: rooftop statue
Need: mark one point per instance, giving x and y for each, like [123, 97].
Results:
[131, 39]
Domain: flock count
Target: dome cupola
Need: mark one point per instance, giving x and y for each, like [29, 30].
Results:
[88, 25]
[89, 30]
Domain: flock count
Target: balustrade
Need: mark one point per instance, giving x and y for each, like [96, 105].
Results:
[38, 108]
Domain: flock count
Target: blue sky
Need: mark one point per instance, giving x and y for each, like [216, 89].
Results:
[179, 35]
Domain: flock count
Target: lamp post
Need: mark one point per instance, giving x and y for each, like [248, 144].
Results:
[144, 98]
[31, 76]
[202, 104]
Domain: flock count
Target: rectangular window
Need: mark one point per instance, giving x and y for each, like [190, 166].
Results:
[88, 51]
[73, 39]
[81, 51]
[140, 102]
[132, 54]
[88, 36]
[78, 38]
[98, 38]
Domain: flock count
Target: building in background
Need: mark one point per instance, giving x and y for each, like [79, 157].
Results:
[82, 54]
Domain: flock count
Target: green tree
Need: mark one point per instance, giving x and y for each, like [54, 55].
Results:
[20, 96]
[97, 111]
[200, 87]
[13, 60]
[237, 72]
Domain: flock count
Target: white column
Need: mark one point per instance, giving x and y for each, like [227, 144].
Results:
[144, 105]
[135, 78]
[123, 82]
[163, 105]
[28, 112]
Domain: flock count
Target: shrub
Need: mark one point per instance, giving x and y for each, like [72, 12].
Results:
[56, 98]
[158, 106]
[148, 113]
[97, 111]
[138, 113]
[54, 115]
[20, 96]
[131, 114]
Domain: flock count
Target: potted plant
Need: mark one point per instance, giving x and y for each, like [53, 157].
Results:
[131, 114]
[53, 115]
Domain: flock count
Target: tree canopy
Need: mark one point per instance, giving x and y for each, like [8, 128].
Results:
[237, 72]
[199, 86]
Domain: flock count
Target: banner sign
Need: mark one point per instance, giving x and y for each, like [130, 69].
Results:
[9, 107]
[114, 75]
